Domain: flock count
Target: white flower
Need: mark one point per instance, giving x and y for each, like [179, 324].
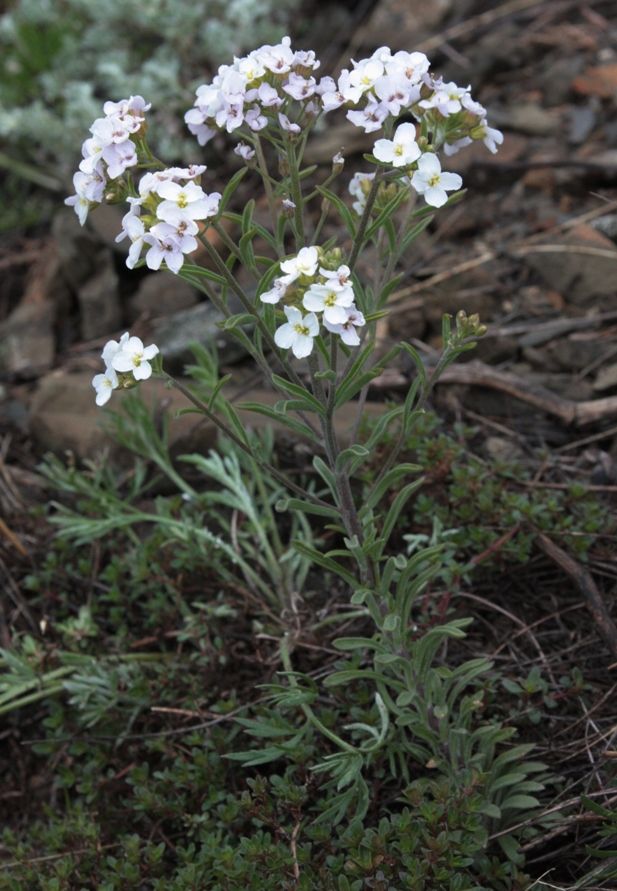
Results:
[395, 92]
[244, 151]
[268, 96]
[297, 333]
[255, 119]
[169, 242]
[134, 228]
[277, 291]
[112, 347]
[299, 87]
[402, 150]
[357, 191]
[304, 264]
[119, 157]
[104, 384]
[451, 148]
[195, 120]
[412, 66]
[81, 205]
[364, 75]
[429, 180]
[347, 329]
[287, 125]
[447, 98]
[134, 356]
[370, 118]
[185, 202]
[329, 300]
[338, 279]
[490, 136]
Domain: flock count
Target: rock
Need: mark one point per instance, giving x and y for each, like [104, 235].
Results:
[78, 249]
[606, 378]
[27, 343]
[557, 78]
[99, 304]
[174, 335]
[607, 225]
[527, 117]
[581, 265]
[161, 294]
[64, 416]
[106, 223]
[581, 121]
[399, 23]
[601, 80]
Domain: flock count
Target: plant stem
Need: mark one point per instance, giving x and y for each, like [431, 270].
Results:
[364, 219]
[265, 176]
[227, 430]
[308, 711]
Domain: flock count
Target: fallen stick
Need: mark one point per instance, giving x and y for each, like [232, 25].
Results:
[576, 414]
[588, 588]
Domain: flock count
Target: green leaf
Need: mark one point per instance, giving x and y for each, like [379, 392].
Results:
[300, 393]
[389, 210]
[325, 562]
[279, 418]
[231, 187]
[307, 507]
[520, 802]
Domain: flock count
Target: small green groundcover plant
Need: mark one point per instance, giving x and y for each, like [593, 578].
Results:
[390, 772]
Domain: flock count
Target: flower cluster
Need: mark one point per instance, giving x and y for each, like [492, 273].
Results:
[386, 85]
[127, 361]
[108, 152]
[164, 216]
[314, 287]
[256, 90]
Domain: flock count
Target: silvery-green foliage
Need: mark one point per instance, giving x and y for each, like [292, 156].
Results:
[59, 60]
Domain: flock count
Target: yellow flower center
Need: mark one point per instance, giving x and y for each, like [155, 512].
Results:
[182, 202]
[301, 329]
[434, 180]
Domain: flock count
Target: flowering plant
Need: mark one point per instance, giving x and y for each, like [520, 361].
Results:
[308, 297]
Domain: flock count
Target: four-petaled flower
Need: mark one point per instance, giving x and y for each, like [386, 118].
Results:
[430, 181]
[402, 150]
[297, 333]
[133, 356]
[304, 264]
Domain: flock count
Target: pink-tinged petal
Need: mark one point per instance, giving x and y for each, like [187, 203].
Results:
[350, 337]
[174, 261]
[450, 181]
[429, 164]
[435, 196]
[154, 257]
[284, 336]
[302, 346]
[142, 371]
[134, 254]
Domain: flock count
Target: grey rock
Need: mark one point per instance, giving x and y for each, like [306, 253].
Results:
[161, 294]
[607, 225]
[99, 304]
[606, 378]
[175, 335]
[27, 342]
[78, 249]
[582, 120]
